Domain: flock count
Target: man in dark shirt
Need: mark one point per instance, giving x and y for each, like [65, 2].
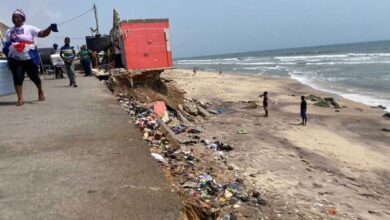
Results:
[303, 110]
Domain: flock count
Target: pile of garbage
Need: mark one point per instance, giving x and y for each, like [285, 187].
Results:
[199, 167]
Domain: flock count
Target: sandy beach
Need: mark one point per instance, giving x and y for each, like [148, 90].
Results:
[336, 167]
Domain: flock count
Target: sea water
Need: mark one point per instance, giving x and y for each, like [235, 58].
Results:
[359, 72]
[6, 82]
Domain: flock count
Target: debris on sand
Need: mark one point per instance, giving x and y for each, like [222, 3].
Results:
[197, 167]
[324, 102]
[332, 102]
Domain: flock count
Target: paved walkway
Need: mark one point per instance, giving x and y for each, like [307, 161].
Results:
[75, 156]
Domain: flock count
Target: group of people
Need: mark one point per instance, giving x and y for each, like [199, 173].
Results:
[68, 54]
[303, 107]
[21, 50]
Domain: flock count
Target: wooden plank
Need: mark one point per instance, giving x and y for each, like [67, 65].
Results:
[174, 140]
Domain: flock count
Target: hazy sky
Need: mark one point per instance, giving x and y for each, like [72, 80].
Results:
[204, 27]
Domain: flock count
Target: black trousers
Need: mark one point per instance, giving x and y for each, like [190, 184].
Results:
[20, 67]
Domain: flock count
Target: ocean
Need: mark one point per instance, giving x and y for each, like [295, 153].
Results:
[358, 71]
[6, 83]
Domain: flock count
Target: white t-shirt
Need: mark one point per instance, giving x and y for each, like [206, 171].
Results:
[24, 34]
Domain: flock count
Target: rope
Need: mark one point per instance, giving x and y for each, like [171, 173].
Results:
[62, 37]
[70, 20]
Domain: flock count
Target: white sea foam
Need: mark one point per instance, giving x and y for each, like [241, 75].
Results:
[256, 64]
[252, 68]
[331, 56]
[351, 94]
[349, 63]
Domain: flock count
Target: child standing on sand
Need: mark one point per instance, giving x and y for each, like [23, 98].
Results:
[265, 103]
[303, 110]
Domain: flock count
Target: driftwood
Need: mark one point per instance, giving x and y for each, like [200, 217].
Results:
[190, 108]
[203, 112]
[174, 140]
[182, 119]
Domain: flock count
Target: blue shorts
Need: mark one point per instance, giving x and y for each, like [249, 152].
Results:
[303, 114]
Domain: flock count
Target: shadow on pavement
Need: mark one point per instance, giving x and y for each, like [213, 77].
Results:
[14, 103]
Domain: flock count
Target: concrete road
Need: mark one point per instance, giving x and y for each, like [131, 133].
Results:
[75, 156]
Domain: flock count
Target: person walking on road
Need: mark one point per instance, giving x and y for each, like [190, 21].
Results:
[303, 110]
[85, 59]
[68, 54]
[21, 50]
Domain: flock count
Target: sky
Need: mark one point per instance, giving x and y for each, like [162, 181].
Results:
[208, 27]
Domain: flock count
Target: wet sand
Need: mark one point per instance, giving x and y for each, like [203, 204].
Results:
[339, 161]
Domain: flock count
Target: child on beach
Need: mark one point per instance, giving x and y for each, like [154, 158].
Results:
[303, 110]
[265, 103]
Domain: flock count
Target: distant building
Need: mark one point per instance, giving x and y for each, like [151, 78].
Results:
[3, 29]
[3, 32]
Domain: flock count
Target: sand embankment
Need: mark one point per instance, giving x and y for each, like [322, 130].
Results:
[340, 160]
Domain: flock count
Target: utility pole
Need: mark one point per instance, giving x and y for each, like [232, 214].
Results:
[96, 18]
[97, 21]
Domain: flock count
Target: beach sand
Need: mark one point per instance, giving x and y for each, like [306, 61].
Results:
[339, 161]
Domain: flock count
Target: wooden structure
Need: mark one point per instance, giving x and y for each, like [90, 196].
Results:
[145, 46]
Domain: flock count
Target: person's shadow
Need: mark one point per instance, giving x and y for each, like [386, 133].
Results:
[14, 103]
[299, 124]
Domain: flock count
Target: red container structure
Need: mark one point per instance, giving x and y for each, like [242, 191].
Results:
[145, 44]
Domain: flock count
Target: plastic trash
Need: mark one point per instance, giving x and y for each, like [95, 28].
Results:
[189, 184]
[244, 197]
[54, 27]
[212, 146]
[206, 141]
[223, 147]
[204, 194]
[261, 201]
[332, 211]
[158, 157]
[242, 131]
[194, 131]
[220, 110]
[228, 194]
[205, 178]
[165, 118]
